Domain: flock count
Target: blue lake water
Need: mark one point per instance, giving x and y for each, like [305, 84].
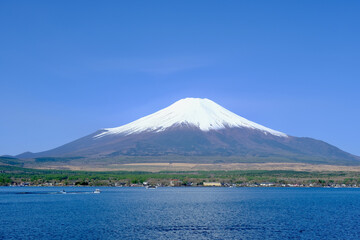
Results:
[179, 213]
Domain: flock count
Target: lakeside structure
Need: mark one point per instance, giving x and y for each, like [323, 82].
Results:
[317, 184]
[212, 184]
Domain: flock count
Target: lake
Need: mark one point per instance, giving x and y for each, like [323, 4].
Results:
[179, 213]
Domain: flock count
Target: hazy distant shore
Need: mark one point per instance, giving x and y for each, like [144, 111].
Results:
[286, 176]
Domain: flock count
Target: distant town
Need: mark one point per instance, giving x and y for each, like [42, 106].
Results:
[15, 176]
[177, 183]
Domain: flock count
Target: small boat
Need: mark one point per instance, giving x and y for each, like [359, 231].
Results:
[151, 187]
[63, 191]
[97, 191]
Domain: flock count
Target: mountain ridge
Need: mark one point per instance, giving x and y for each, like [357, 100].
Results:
[194, 128]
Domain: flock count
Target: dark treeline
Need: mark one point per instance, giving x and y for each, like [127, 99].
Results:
[18, 176]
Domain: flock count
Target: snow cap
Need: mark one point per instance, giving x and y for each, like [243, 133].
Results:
[195, 112]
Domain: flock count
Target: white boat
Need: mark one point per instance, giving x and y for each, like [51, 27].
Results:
[97, 191]
[63, 191]
[151, 187]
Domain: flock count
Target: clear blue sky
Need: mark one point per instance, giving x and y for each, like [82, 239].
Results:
[68, 68]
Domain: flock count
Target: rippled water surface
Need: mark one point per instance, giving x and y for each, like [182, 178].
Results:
[179, 213]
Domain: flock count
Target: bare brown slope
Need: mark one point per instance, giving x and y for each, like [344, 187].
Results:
[191, 144]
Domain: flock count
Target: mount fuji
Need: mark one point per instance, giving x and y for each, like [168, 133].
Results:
[199, 131]
[202, 114]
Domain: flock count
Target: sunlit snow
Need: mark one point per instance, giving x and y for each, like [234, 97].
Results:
[201, 113]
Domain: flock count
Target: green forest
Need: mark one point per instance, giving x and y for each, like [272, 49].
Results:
[10, 175]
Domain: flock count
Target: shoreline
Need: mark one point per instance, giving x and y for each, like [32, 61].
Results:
[16, 176]
[100, 186]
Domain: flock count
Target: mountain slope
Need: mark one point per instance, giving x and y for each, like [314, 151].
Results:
[192, 128]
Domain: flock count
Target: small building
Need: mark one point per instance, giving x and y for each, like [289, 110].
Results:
[175, 182]
[212, 184]
[267, 184]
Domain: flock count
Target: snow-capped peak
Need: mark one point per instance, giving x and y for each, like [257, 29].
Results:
[197, 112]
